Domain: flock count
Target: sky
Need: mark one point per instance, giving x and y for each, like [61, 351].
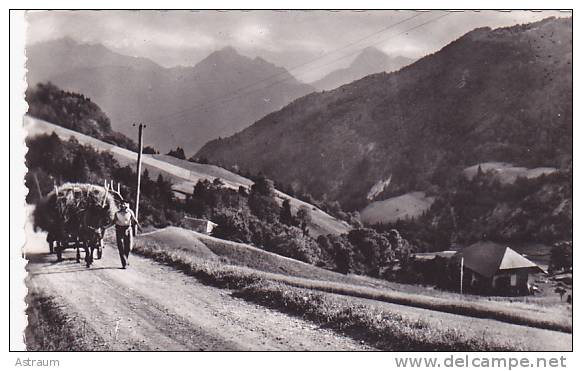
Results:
[309, 44]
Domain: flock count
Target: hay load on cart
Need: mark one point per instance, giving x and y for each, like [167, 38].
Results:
[76, 215]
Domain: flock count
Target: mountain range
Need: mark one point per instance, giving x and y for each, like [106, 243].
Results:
[369, 61]
[492, 95]
[181, 106]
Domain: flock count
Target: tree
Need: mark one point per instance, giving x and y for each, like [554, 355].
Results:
[201, 189]
[286, 216]
[561, 256]
[79, 168]
[400, 247]
[262, 200]
[149, 150]
[367, 245]
[560, 291]
[342, 253]
[164, 190]
[73, 111]
[178, 153]
[355, 220]
[200, 160]
[232, 225]
[294, 244]
[304, 218]
[265, 208]
[263, 186]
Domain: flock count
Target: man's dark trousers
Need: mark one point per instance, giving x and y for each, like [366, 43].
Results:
[123, 235]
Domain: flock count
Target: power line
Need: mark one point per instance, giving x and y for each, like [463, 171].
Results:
[291, 69]
[208, 103]
[343, 47]
[355, 42]
[383, 41]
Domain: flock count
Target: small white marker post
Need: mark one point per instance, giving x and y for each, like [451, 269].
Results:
[462, 263]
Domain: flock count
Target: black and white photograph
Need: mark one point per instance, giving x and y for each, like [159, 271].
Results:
[297, 180]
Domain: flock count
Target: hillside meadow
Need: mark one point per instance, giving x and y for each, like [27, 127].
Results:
[235, 266]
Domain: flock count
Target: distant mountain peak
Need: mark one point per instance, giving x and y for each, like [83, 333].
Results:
[260, 60]
[49, 58]
[371, 57]
[372, 49]
[228, 52]
[373, 52]
[369, 61]
[227, 56]
[136, 89]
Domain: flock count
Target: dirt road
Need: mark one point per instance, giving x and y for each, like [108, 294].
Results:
[154, 307]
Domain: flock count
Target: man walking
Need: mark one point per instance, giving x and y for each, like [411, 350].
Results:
[123, 231]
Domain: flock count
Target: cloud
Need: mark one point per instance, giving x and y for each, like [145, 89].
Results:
[307, 45]
[164, 39]
[252, 35]
[287, 38]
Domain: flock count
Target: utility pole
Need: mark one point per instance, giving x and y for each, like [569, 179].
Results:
[140, 149]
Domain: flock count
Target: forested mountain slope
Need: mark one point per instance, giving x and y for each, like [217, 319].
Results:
[492, 95]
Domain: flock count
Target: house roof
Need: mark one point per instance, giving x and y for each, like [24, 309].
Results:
[486, 258]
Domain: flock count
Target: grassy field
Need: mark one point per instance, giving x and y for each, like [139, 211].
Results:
[408, 205]
[184, 174]
[203, 171]
[248, 258]
[242, 263]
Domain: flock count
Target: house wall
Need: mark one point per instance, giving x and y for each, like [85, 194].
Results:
[474, 282]
[511, 282]
[209, 228]
[200, 226]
